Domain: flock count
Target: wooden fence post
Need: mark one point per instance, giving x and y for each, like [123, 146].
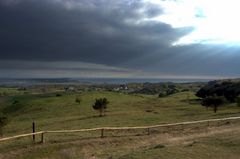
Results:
[42, 137]
[148, 130]
[33, 130]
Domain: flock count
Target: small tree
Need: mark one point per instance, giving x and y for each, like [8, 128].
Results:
[3, 122]
[213, 101]
[100, 104]
[162, 94]
[78, 100]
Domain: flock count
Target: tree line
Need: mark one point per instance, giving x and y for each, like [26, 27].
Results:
[216, 93]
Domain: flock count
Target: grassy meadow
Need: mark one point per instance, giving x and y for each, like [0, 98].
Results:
[57, 111]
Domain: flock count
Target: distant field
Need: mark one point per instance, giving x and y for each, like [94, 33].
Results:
[51, 112]
[10, 91]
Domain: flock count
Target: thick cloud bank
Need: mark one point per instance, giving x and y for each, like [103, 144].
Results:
[115, 34]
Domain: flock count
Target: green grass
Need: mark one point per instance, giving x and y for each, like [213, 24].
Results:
[50, 112]
[5, 91]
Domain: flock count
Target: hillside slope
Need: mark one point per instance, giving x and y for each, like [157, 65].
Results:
[56, 112]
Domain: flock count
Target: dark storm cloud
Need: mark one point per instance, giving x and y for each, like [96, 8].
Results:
[114, 33]
[196, 59]
[106, 32]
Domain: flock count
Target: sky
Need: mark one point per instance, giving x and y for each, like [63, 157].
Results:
[197, 39]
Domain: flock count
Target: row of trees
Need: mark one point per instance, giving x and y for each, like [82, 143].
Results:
[229, 90]
[216, 93]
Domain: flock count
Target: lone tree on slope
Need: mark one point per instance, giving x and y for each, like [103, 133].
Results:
[213, 101]
[100, 104]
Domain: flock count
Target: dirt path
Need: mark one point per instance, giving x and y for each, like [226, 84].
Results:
[93, 147]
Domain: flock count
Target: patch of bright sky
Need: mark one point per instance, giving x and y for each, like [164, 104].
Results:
[214, 21]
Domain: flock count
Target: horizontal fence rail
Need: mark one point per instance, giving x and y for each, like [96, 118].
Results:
[116, 128]
[22, 136]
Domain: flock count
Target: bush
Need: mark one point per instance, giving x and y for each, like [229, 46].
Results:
[171, 91]
[58, 95]
[78, 100]
[162, 94]
[185, 90]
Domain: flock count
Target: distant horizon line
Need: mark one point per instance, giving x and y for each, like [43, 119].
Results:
[169, 77]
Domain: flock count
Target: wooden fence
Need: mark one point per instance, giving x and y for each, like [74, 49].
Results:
[102, 129]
